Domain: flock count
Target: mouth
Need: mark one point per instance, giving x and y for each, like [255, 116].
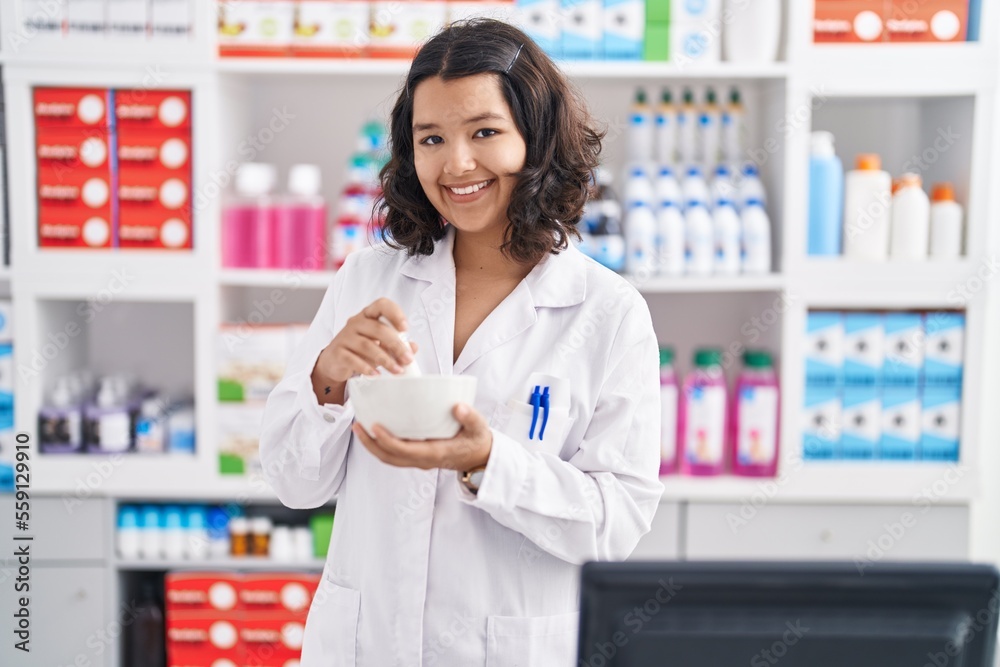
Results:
[469, 193]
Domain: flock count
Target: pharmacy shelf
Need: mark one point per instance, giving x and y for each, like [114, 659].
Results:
[249, 564]
[865, 482]
[282, 278]
[684, 284]
[896, 284]
[898, 70]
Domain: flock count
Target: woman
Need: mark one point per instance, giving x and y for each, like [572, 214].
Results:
[466, 551]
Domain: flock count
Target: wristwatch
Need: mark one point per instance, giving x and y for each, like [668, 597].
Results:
[473, 478]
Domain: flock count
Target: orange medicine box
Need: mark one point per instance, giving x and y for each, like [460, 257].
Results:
[281, 595]
[927, 21]
[72, 107]
[850, 21]
[74, 207]
[215, 592]
[204, 638]
[272, 640]
[153, 109]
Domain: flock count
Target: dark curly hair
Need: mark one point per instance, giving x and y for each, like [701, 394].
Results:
[562, 145]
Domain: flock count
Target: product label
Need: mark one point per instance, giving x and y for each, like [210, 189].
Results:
[668, 423]
[757, 416]
[704, 436]
[332, 25]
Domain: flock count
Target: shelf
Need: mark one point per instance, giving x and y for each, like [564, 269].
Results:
[338, 66]
[684, 284]
[876, 70]
[275, 278]
[878, 482]
[247, 564]
[126, 275]
[897, 284]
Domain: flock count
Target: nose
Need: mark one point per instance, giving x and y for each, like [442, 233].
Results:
[460, 158]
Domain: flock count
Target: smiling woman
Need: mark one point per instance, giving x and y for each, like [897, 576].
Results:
[487, 130]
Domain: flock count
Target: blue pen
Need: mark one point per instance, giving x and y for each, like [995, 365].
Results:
[536, 401]
[545, 412]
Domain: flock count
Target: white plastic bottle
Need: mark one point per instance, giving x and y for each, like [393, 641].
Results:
[640, 240]
[694, 187]
[667, 189]
[640, 130]
[911, 219]
[666, 129]
[867, 207]
[710, 131]
[699, 239]
[750, 186]
[727, 230]
[946, 223]
[733, 128]
[756, 238]
[722, 188]
[638, 187]
[670, 239]
[687, 127]
[754, 34]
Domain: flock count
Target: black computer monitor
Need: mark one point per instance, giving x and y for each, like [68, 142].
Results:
[695, 614]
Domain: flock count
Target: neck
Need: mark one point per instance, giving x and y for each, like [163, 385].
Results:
[480, 256]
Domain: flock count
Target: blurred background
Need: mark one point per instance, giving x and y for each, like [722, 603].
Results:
[803, 191]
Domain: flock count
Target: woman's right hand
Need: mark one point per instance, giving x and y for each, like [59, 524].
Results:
[365, 343]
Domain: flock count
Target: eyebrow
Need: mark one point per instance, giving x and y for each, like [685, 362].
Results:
[488, 115]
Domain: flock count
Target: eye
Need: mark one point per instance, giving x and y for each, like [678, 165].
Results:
[432, 140]
[485, 133]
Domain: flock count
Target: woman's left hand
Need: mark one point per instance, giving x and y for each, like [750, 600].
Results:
[467, 450]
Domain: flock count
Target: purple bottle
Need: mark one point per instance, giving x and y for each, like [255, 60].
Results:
[248, 219]
[668, 412]
[703, 416]
[754, 437]
[300, 222]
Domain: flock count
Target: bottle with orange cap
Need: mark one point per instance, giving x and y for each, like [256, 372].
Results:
[911, 215]
[946, 223]
[867, 206]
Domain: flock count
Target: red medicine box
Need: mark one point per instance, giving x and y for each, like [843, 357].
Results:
[154, 109]
[74, 207]
[72, 107]
[271, 641]
[203, 639]
[73, 148]
[278, 594]
[215, 592]
[928, 21]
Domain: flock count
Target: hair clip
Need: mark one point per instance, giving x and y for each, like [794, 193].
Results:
[513, 60]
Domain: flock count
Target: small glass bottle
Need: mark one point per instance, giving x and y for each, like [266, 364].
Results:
[260, 542]
[239, 537]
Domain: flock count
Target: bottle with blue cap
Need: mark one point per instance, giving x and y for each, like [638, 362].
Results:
[151, 525]
[756, 238]
[694, 187]
[722, 187]
[128, 535]
[196, 543]
[727, 232]
[640, 239]
[667, 189]
[173, 532]
[670, 239]
[750, 185]
[638, 187]
[699, 239]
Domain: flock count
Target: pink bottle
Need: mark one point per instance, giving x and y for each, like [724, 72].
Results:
[754, 437]
[668, 412]
[703, 416]
[248, 219]
[300, 222]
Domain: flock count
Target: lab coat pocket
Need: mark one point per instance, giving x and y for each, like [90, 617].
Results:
[513, 641]
[515, 418]
[332, 627]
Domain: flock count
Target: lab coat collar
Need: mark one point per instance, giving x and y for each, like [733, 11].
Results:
[556, 281]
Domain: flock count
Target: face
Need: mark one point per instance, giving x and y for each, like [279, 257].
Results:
[465, 148]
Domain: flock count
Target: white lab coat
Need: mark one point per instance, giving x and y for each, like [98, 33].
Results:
[422, 572]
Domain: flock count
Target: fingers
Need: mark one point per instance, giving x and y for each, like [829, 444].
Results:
[393, 451]
[389, 309]
[387, 340]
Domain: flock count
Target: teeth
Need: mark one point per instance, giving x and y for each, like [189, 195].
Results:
[469, 190]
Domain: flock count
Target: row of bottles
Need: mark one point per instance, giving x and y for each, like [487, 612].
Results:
[673, 228]
[704, 429]
[866, 215]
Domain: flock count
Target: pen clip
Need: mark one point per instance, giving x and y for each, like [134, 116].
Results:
[536, 401]
[545, 412]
